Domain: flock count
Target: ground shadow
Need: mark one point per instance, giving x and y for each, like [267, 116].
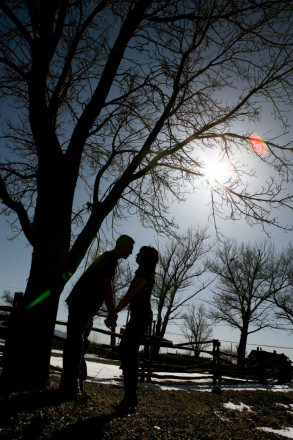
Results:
[91, 429]
[28, 401]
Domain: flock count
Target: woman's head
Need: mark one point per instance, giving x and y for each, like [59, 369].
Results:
[148, 257]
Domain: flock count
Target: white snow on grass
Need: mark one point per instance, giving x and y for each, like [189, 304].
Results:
[160, 373]
[240, 407]
[95, 370]
[286, 432]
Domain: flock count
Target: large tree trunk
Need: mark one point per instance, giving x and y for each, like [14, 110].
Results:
[242, 347]
[28, 344]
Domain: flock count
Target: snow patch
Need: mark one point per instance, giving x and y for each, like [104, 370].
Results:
[240, 407]
[286, 432]
[94, 369]
[221, 417]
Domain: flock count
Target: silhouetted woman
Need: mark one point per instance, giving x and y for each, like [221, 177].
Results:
[138, 297]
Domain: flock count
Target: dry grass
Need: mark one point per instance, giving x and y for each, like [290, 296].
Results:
[160, 415]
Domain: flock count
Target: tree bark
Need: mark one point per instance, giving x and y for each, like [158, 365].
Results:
[242, 346]
[28, 345]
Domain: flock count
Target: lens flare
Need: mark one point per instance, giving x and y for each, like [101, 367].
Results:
[257, 144]
[66, 276]
[39, 299]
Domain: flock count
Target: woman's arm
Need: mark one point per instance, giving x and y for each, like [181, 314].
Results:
[138, 284]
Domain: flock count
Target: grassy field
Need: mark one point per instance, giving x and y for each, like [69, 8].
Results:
[160, 415]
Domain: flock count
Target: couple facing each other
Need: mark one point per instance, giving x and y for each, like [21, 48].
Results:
[91, 290]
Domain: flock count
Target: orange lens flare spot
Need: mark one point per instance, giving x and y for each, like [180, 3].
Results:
[257, 144]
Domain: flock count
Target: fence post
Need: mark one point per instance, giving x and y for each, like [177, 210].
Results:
[17, 298]
[112, 336]
[150, 361]
[217, 379]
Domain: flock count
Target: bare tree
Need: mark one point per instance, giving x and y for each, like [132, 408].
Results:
[284, 298]
[7, 297]
[181, 267]
[248, 279]
[115, 101]
[196, 327]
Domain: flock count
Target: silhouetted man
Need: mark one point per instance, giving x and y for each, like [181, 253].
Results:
[91, 290]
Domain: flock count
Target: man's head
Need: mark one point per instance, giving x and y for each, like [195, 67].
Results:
[124, 246]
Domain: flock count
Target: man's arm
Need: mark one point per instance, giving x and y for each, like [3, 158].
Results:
[109, 297]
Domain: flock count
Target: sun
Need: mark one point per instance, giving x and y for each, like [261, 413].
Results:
[218, 170]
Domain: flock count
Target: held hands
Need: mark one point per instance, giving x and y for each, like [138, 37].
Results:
[111, 319]
[109, 323]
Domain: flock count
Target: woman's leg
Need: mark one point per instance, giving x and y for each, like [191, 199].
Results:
[129, 348]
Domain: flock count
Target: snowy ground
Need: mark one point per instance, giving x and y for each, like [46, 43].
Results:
[101, 373]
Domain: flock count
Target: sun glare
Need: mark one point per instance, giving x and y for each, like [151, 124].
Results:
[218, 170]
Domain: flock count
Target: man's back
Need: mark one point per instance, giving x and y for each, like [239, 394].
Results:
[88, 291]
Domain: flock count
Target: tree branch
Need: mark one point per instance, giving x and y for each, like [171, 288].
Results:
[19, 209]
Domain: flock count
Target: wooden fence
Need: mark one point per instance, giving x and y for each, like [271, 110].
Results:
[213, 366]
[221, 367]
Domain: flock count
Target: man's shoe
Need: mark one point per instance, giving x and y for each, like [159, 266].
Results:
[68, 393]
[83, 395]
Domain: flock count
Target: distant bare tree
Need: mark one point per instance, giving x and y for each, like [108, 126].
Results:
[196, 327]
[180, 269]
[249, 276]
[7, 297]
[284, 298]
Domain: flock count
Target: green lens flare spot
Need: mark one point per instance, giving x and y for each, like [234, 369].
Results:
[39, 299]
[66, 276]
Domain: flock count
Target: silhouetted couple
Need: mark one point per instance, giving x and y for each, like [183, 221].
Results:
[92, 289]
